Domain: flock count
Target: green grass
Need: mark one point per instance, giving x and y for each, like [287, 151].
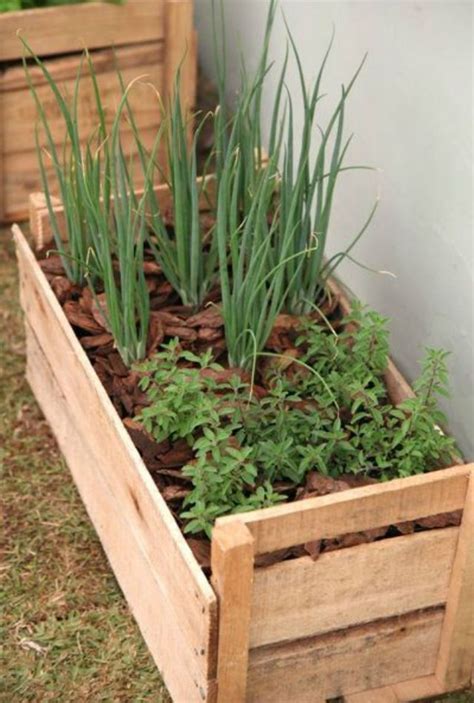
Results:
[67, 634]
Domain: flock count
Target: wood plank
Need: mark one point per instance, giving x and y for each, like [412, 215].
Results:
[188, 593]
[357, 509]
[137, 576]
[61, 30]
[21, 173]
[232, 573]
[303, 598]
[339, 664]
[375, 695]
[40, 225]
[180, 42]
[404, 692]
[456, 654]
[416, 689]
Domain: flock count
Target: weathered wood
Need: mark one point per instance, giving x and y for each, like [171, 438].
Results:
[356, 510]
[139, 578]
[456, 655]
[138, 30]
[375, 695]
[232, 574]
[361, 658]
[302, 598]
[40, 225]
[416, 689]
[20, 171]
[186, 593]
[404, 692]
[61, 30]
[180, 51]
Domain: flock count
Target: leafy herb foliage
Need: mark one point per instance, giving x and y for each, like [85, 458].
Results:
[330, 414]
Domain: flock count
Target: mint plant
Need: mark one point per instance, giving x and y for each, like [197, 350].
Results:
[337, 420]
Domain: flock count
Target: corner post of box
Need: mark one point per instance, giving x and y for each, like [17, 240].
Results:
[232, 561]
[455, 662]
[181, 52]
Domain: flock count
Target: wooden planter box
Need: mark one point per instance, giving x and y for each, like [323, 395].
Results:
[150, 37]
[383, 622]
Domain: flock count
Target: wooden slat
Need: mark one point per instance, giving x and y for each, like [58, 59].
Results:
[181, 46]
[232, 573]
[302, 598]
[416, 689]
[375, 695]
[338, 664]
[40, 225]
[357, 509]
[137, 576]
[404, 692]
[456, 656]
[186, 592]
[61, 30]
[21, 173]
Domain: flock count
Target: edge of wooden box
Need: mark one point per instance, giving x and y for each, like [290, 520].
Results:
[67, 389]
[64, 29]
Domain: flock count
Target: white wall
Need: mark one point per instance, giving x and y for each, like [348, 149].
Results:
[411, 112]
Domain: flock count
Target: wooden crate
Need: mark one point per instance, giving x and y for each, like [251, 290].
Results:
[150, 37]
[383, 622]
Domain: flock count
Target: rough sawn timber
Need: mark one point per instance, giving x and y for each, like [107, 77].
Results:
[172, 600]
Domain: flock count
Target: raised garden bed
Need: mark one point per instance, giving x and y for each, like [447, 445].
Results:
[150, 37]
[389, 620]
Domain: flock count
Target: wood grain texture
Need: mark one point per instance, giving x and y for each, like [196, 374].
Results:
[61, 30]
[375, 695]
[404, 692]
[20, 170]
[417, 689]
[361, 658]
[232, 574]
[181, 48]
[357, 509]
[303, 598]
[138, 578]
[186, 594]
[40, 225]
[456, 655]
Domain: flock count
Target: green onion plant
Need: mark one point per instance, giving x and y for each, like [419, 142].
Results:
[186, 254]
[105, 221]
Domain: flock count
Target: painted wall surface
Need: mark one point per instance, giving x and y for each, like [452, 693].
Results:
[411, 112]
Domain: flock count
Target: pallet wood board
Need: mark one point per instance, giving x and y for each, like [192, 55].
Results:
[181, 589]
[61, 30]
[341, 663]
[303, 598]
[167, 41]
[20, 172]
[356, 510]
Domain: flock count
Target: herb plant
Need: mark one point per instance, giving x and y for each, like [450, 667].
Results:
[331, 415]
